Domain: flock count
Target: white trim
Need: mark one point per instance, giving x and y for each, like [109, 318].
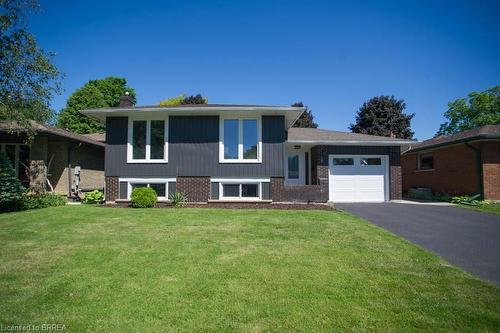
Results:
[130, 133]
[240, 180]
[240, 119]
[148, 181]
[240, 198]
[384, 158]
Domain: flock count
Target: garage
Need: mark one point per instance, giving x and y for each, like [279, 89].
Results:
[358, 178]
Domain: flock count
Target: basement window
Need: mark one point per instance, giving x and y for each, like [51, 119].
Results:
[243, 191]
[425, 162]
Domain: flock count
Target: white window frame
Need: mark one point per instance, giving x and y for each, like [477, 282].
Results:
[240, 182]
[3, 148]
[240, 139]
[147, 181]
[130, 136]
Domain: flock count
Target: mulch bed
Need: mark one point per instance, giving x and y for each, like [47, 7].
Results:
[238, 205]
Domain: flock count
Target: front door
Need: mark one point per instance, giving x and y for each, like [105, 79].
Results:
[295, 168]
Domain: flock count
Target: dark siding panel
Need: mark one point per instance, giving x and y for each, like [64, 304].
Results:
[194, 150]
[214, 191]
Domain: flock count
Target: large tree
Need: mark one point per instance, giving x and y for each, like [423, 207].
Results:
[306, 119]
[477, 109]
[383, 116]
[94, 94]
[182, 99]
[28, 79]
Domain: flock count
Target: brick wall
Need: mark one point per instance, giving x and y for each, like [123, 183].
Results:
[112, 189]
[490, 151]
[196, 189]
[298, 193]
[455, 170]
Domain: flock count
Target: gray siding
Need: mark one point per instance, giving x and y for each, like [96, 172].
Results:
[214, 191]
[194, 150]
[266, 191]
[123, 189]
[172, 186]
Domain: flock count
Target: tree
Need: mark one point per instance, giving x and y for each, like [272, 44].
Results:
[383, 116]
[94, 94]
[306, 119]
[182, 99]
[11, 191]
[28, 79]
[477, 109]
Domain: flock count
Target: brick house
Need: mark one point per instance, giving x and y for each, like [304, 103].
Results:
[464, 163]
[56, 160]
[245, 153]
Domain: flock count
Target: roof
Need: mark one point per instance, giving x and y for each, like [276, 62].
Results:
[101, 137]
[51, 130]
[291, 113]
[316, 135]
[479, 133]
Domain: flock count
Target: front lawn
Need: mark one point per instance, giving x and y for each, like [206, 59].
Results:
[125, 270]
[493, 208]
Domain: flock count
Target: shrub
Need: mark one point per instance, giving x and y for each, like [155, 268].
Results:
[94, 197]
[178, 199]
[11, 191]
[35, 201]
[143, 197]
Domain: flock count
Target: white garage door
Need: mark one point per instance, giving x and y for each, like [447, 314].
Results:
[358, 178]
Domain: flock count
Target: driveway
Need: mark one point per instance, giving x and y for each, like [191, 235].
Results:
[465, 238]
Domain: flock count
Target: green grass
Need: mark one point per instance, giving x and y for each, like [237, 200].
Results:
[493, 208]
[100, 269]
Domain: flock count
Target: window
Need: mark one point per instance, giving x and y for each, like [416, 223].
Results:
[240, 140]
[343, 161]
[293, 167]
[160, 186]
[425, 162]
[370, 161]
[240, 191]
[19, 156]
[147, 141]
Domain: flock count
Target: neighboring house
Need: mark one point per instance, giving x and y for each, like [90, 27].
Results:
[464, 163]
[54, 151]
[242, 153]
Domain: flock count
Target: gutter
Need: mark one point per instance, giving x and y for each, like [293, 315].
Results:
[479, 166]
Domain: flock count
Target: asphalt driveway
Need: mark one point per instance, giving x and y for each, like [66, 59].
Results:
[465, 238]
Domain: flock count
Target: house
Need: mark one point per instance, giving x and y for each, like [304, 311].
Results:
[463, 163]
[248, 153]
[56, 160]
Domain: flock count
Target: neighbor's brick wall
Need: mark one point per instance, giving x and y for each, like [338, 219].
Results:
[112, 189]
[490, 151]
[455, 171]
[196, 189]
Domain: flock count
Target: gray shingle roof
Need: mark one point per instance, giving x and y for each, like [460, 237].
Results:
[296, 134]
[484, 132]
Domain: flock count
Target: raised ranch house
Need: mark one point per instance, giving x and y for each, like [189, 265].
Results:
[247, 153]
[464, 163]
[56, 160]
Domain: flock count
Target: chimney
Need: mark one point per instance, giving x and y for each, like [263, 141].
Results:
[126, 100]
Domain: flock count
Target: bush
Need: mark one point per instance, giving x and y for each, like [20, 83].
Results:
[94, 197]
[35, 201]
[11, 191]
[143, 197]
[178, 199]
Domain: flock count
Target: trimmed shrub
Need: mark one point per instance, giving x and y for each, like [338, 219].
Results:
[11, 191]
[93, 197]
[178, 199]
[35, 201]
[143, 197]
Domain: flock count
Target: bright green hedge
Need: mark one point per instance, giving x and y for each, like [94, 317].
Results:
[143, 197]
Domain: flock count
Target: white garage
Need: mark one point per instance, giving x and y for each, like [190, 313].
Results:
[358, 178]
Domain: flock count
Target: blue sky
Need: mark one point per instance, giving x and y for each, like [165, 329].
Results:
[331, 55]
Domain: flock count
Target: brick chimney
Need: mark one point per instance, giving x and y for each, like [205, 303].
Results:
[126, 100]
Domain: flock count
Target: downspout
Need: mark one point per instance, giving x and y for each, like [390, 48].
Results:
[479, 166]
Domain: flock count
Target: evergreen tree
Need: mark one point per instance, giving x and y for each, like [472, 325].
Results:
[306, 119]
[11, 191]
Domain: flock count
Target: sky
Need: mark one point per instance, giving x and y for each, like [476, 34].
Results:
[331, 55]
